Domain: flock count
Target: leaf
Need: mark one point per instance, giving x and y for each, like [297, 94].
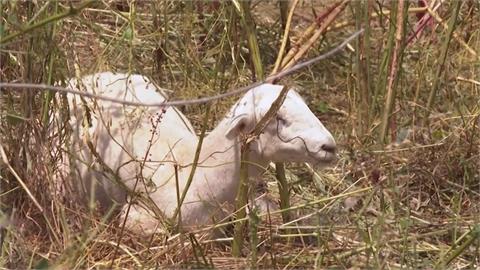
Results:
[128, 33]
[403, 134]
[43, 264]
[322, 107]
[438, 134]
[14, 119]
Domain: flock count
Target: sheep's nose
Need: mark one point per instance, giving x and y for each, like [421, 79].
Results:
[330, 147]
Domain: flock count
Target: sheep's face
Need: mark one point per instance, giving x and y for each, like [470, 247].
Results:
[294, 134]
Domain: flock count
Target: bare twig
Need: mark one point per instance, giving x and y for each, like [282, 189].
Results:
[19, 179]
[462, 79]
[285, 39]
[456, 36]
[306, 35]
[290, 61]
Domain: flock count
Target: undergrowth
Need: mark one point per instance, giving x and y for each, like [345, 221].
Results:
[405, 191]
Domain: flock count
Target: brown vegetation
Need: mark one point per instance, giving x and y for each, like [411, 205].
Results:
[402, 102]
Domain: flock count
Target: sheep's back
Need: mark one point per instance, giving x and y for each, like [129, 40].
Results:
[127, 141]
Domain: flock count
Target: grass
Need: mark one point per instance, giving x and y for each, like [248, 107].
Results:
[405, 192]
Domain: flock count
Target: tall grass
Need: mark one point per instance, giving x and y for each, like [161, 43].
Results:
[405, 192]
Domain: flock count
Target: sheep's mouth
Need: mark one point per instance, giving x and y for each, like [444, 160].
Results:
[324, 158]
[319, 155]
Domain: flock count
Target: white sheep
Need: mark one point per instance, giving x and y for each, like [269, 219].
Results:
[144, 160]
[119, 134]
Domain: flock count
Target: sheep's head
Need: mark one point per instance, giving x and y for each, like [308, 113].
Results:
[294, 134]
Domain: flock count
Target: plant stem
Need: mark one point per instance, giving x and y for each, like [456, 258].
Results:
[240, 202]
[395, 68]
[284, 190]
[243, 9]
[362, 67]
[195, 161]
[249, 26]
[443, 56]
[49, 94]
[471, 236]
[286, 29]
[70, 12]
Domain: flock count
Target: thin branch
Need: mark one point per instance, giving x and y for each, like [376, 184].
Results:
[194, 164]
[294, 55]
[286, 33]
[395, 66]
[456, 36]
[185, 102]
[19, 179]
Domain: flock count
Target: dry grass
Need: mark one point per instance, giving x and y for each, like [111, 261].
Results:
[413, 201]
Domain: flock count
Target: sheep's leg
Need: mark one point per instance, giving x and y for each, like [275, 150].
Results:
[141, 220]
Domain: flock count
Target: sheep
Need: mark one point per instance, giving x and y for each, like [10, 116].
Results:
[145, 160]
[104, 123]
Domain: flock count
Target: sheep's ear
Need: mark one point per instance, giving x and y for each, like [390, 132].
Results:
[239, 125]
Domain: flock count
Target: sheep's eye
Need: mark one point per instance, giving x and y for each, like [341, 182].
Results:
[281, 120]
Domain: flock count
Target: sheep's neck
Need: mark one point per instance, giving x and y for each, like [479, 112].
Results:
[222, 156]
